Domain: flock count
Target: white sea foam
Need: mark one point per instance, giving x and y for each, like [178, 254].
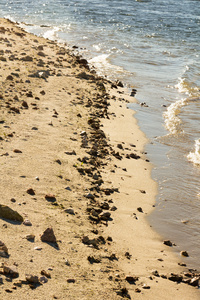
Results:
[172, 121]
[195, 156]
[171, 116]
[10, 18]
[97, 47]
[51, 33]
[182, 86]
[103, 66]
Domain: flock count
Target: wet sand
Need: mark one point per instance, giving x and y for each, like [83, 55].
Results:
[76, 185]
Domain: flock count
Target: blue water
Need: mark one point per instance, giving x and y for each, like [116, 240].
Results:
[154, 47]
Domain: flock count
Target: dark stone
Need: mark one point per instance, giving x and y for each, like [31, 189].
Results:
[119, 146]
[50, 198]
[27, 58]
[29, 94]
[30, 192]
[45, 273]
[134, 156]
[15, 109]
[58, 161]
[7, 213]
[93, 259]
[105, 216]
[140, 209]
[10, 271]
[9, 77]
[123, 292]
[3, 250]
[70, 152]
[155, 273]
[48, 236]
[17, 151]
[168, 243]
[119, 83]
[175, 277]
[131, 279]
[32, 279]
[71, 280]
[133, 92]
[184, 253]
[40, 53]
[195, 281]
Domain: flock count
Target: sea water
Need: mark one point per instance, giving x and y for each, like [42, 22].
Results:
[153, 46]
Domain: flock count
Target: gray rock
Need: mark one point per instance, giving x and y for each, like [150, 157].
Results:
[70, 211]
[43, 279]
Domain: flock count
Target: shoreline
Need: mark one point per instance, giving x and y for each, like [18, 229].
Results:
[56, 115]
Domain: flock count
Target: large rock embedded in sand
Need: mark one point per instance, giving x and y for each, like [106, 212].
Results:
[10, 214]
[48, 236]
[10, 271]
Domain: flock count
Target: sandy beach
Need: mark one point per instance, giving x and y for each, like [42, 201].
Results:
[76, 185]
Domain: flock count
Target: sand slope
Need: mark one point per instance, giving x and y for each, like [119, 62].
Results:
[72, 160]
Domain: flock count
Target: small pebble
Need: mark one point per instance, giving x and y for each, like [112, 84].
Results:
[30, 237]
[184, 253]
[67, 262]
[70, 211]
[71, 280]
[31, 192]
[43, 279]
[38, 248]
[27, 222]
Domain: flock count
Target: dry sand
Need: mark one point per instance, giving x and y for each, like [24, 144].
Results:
[72, 160]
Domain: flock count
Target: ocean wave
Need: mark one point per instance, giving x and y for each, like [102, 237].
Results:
[104, 67]
[195, 156]
[51, 33]
[185, 87]
[8, 17]
[191, 93]
[172, 121]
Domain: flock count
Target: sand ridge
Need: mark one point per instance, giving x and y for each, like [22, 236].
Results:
[72, 160]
